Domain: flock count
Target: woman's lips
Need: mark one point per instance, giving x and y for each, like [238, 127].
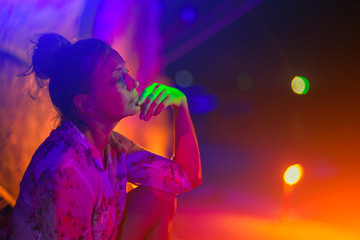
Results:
[134, 100]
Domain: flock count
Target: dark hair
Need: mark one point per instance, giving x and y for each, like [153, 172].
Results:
[66, 68]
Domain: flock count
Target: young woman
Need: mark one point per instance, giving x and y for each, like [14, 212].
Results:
[75, 184]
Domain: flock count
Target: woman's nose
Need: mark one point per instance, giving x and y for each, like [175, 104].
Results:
[131, 82]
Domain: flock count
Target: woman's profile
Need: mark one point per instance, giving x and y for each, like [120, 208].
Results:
[75, 184]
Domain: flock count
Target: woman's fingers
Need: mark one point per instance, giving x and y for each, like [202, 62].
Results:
[146, 92]
[163, 104]
[154, 105]
[156, 98]
[151, 97]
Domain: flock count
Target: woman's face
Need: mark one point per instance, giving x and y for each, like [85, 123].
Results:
[113, 94]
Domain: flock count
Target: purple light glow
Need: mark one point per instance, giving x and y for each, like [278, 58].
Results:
[188, 14]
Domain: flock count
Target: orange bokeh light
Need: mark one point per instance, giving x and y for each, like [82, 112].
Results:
[293, 174]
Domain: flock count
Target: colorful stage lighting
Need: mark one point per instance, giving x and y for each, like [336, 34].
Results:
[188, 14]
[293, 174]
[184, 78]
[300, 85]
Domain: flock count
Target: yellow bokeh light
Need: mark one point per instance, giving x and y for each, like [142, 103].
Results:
[293, 174]
[300, 85]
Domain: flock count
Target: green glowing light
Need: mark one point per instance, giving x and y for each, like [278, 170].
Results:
[300, 85]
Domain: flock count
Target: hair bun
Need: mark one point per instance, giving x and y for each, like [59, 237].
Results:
[45, 54]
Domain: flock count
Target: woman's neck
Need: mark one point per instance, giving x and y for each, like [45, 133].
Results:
[98, 134]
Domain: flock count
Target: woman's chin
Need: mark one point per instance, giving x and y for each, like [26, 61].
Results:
[133, 112]
[136, 110]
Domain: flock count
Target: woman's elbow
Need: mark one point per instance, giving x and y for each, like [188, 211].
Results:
[195, 182]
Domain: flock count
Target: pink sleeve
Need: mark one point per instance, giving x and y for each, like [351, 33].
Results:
[148, 169]
[70, 202]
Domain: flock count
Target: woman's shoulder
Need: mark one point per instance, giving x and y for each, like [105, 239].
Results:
[55, 146]
[123, 144]
[62, 148]
[119, 137]
[60, 153]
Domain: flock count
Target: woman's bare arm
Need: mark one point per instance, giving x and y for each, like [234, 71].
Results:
[156, 98]
[186, 147]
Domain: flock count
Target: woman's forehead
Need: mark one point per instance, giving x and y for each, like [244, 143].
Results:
[111, 63]
[114, 56]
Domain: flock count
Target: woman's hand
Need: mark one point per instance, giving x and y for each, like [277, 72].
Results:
[157, 97]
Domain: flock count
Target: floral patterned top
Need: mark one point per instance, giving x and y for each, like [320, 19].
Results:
[69, 192]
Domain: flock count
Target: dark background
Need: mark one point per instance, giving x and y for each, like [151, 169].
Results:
[251, 136]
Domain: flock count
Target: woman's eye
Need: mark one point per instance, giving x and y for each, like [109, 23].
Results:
[122, 78]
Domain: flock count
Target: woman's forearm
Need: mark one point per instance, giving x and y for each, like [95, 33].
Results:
[186, 147]
[158, 97]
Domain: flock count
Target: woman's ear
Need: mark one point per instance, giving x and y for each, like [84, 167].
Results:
[83, 104]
